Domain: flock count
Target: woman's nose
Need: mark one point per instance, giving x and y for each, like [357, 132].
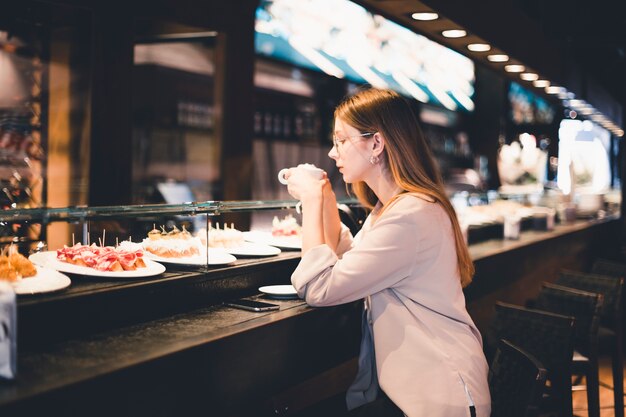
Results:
[332, 154]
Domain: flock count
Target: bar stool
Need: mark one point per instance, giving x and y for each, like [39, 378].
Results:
[606, 267]
[610, 331]
[516, 382]
[585, 307]
[550, 339]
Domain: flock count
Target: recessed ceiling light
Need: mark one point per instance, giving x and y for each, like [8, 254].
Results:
[553, 89]
[541, 83]
[586, 112]
[454, 33]
[514, 68]
[498, 58]
[478, 47]
[619, 133]
[424, 16]
[529, 76]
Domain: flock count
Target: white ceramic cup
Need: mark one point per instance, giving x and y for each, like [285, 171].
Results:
[311, 169]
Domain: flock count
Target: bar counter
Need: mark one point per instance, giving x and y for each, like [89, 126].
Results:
[167, 346]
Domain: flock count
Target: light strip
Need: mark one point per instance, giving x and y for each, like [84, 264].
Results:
[443, 98]
[368, 75]
[316, 58]
[413, 89]
[463, 99]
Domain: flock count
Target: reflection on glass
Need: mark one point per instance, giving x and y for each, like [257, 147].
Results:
[44, 113]
[176, 153]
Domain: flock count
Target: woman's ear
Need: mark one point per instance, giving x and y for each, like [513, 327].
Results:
[378, 144]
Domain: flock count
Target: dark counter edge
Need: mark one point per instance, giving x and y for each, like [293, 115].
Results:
[208, 359]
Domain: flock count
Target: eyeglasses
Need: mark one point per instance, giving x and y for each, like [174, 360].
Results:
[337, 141]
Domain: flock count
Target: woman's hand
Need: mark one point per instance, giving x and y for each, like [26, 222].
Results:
[302, 185]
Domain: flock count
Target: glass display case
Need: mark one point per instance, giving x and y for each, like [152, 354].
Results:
[143, 241]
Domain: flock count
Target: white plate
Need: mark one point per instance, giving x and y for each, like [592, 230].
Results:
[285, 292]
[266, 238]
[253, 249]
[49, 260]
[216, 257]
[46, 280]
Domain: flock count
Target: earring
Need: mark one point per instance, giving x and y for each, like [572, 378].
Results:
[374, 159]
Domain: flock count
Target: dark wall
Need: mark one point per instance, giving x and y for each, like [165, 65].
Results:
[488, 121]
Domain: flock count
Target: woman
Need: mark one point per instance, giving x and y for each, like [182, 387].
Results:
[409, 262]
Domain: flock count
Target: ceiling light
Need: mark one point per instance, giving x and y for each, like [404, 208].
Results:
[564, 95]
[529, 76]
[498, 58]
[424, 16]
[541, 83]
[454, 33]
[553, 89]
[619, 133]
[586, 112]
[478, 47]
[514, 68]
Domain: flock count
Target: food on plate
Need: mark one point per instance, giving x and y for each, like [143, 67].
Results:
[172, 244]
[227, 237]
[16, 266]
[103, 258]
[285, 227]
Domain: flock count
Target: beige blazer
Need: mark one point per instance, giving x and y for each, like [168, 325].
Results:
[427, 348]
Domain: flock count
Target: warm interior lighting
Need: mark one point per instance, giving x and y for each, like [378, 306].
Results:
[541, 83]
[514, 68]
[454, 33]
[619, 133]
[529, 76]
[498, 58]
[479, 47]
[425, 16]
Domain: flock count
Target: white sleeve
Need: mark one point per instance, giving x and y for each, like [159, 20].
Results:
[384, 256]
[345, 241]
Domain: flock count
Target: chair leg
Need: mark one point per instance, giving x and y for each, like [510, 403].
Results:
[593, 389]
[618, 379]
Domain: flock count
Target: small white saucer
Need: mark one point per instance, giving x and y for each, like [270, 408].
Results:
[280, 292]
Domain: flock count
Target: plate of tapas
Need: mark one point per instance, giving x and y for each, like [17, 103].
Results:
[123, 261]
[230, 240]
[27, 278]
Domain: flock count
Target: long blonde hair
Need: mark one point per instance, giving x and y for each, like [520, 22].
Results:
[407, 156]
